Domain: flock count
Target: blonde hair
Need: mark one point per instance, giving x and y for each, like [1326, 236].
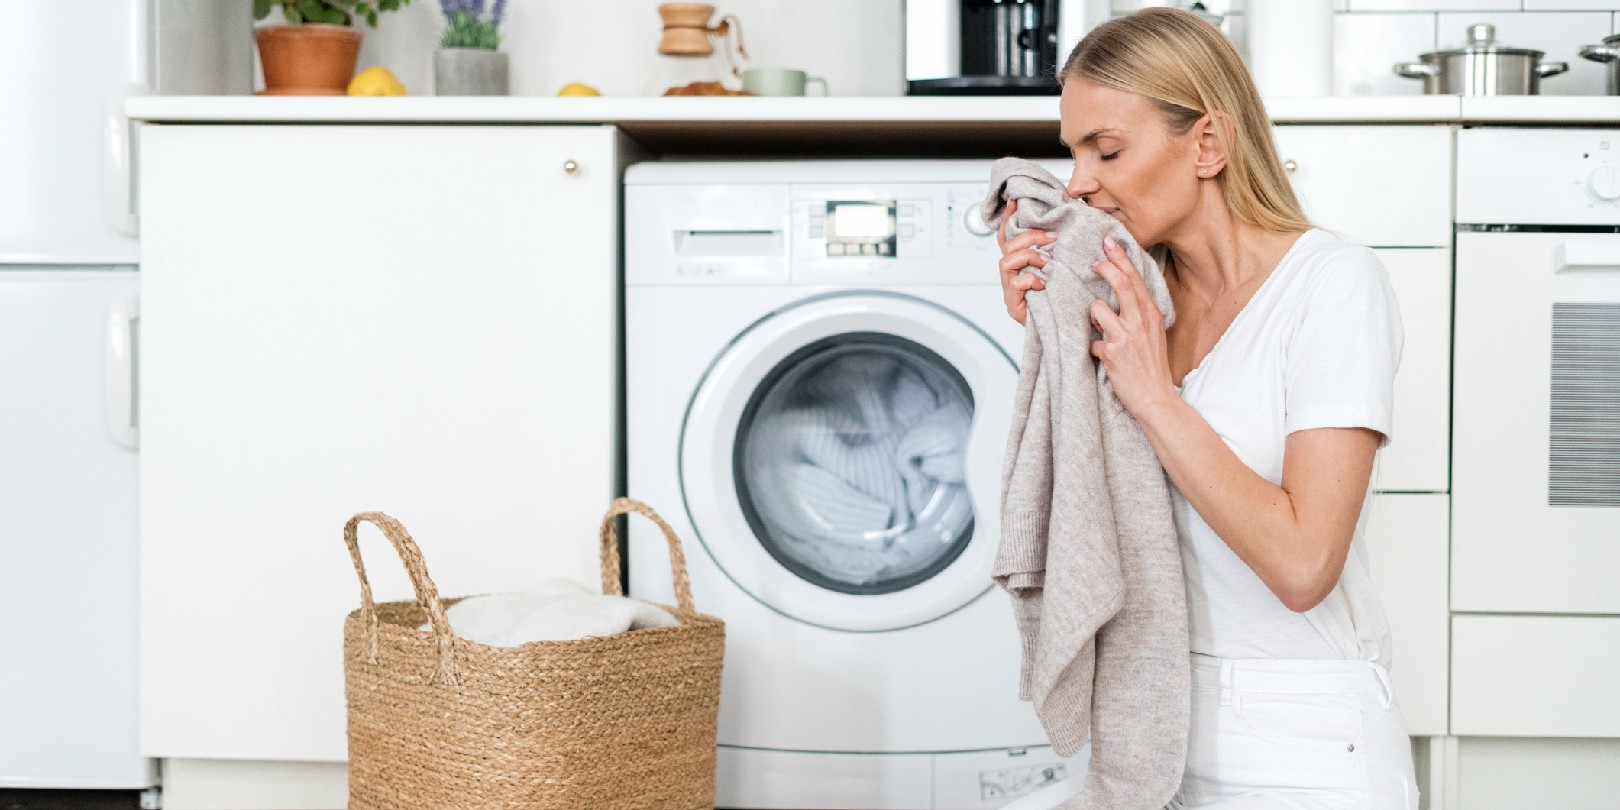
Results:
[1188, 69]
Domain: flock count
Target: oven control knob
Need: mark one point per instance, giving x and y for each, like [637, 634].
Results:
[974, 222]
[1604, 183]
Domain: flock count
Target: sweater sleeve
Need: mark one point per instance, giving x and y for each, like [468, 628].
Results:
[1346, 347]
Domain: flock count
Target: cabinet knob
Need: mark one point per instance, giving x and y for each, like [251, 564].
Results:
[570, 167]
[1290, 166]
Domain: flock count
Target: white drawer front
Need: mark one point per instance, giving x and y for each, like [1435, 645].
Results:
[1380, 186]
[1416, 461]
[1535, 676]
[1406, 548]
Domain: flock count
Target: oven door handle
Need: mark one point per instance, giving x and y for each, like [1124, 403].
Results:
[1587, 255]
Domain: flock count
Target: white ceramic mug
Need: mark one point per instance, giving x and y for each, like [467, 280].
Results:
[779, 82]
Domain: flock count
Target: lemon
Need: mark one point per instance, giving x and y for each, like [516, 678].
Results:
[375, 81]
[577, 89]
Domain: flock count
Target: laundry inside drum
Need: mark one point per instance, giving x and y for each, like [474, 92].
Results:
[850, 465]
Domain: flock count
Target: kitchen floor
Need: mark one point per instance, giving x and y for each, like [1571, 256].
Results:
[69, 800]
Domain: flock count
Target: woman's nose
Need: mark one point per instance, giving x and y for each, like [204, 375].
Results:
[1081, 183]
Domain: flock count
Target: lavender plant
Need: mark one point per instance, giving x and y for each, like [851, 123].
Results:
[467, 26]
[335, 12]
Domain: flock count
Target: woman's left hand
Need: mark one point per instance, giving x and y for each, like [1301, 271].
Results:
[1133, 349]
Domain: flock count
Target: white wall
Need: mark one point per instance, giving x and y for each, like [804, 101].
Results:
[612, 45]
[857, 44]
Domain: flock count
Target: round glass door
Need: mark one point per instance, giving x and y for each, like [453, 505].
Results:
[849, 463]
[841, 460]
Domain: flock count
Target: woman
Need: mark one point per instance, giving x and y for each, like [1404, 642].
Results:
[1265, 402]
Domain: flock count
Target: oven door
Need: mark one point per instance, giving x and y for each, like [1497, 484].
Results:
[1536, 422]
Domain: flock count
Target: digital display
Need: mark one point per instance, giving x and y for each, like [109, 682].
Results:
[862, 221]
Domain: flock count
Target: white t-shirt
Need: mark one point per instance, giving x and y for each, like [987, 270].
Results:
[1317, 346]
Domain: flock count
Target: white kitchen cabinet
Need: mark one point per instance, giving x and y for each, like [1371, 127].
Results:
[1406, 548]
[1535, 676]
[1418, 459]
[1382, 186]
[414, 319]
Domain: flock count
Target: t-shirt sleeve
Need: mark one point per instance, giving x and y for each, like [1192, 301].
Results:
[1345, 348]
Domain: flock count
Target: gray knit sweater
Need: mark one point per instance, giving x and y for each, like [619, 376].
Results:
[1088, 545]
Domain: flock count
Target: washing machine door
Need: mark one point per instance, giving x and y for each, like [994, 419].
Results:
[841, 460]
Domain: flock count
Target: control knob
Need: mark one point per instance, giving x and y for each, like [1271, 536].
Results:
[975, 223]
[1604, 183]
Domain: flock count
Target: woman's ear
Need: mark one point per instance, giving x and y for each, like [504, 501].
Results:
[1214, 130]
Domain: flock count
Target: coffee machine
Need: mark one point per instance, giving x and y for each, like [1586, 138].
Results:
[992, 47]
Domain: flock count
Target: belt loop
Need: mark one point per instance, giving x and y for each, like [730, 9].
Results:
[1226, 681]
[1383, 680]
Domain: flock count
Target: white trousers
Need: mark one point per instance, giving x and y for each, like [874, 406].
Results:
[1285, 735]
[1295, 735]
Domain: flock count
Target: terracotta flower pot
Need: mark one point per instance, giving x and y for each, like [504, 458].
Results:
[311, 59]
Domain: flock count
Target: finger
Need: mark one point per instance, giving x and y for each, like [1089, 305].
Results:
[1124, 293]
[1105, 319]
[1001, 230]
[1014, 263]
[1140, 297]
[1028, 240]
[1028, 281]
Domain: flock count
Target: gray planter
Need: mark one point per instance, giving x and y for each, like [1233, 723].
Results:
[469, 72]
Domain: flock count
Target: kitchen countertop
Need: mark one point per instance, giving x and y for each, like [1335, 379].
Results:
[941, 126]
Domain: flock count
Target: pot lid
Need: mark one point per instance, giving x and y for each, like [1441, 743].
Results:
[1482, 39]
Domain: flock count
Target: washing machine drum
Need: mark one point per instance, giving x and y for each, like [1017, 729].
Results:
[849, 463]
[841, 460]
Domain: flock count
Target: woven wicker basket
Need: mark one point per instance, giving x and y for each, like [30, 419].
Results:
[617, 722]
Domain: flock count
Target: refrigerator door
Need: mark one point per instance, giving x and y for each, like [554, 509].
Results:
[68, 555]
[57, 71]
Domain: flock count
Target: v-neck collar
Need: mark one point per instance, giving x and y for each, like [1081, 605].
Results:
[1244, 311]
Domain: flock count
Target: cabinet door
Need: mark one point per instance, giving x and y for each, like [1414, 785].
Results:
[67, 532]
[1381, 186]
[1417, 459]
[1406, 548]
[418, 320]
[1536, 676]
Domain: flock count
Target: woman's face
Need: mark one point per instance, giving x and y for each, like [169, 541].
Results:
[1127, 162]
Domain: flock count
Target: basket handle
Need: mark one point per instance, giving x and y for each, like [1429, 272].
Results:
[610, 552]
[427, 595]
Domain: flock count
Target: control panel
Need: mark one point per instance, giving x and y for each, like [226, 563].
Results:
[832, 223]
[904, 233]
[1538, 176]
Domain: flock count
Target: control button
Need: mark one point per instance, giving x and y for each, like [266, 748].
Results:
[1604, 183]
[907, 211]
[869, 250]
[907, 231]
[835, 249]
[974, 223]
[883, 248]
[816, 231]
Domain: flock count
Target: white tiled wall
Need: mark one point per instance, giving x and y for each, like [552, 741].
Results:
[1370, 36]
[857, 44]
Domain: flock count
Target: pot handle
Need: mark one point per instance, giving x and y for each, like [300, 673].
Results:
[1599, 53]
[1416, 70]
[1546, 69]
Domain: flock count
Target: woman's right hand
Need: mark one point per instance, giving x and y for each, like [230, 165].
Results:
[1018, 253]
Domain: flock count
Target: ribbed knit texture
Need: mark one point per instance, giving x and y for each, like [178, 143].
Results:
[1088, 547]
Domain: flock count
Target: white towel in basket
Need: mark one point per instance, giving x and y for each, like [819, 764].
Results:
[560, 610]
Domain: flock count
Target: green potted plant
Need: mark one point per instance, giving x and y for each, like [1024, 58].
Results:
[467, 62]
[315, 51]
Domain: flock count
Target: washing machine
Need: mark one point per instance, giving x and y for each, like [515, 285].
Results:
[819, 382]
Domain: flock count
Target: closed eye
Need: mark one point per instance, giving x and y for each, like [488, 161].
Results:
[1109, 157]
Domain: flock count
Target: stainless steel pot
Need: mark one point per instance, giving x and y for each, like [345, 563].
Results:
[1482, 68]
[1608, 52]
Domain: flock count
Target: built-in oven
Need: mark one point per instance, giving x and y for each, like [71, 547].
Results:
[1536, 385]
